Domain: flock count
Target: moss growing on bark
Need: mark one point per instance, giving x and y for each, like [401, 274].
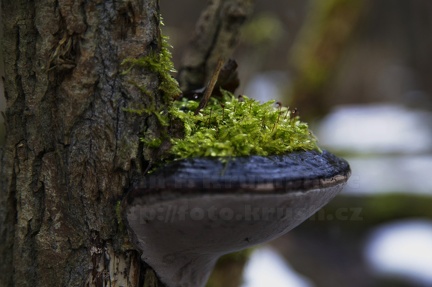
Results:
[160, 63]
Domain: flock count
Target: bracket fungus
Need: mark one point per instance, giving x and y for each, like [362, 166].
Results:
[187, 214]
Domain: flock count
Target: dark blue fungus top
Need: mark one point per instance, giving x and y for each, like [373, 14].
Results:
[293, 172]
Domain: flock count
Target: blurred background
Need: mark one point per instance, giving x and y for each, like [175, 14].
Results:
[360, 72]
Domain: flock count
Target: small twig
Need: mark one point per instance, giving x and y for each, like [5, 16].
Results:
[208, 121]
[279, 104]
[209, 89]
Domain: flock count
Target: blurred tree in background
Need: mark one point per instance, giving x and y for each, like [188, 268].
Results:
[319, 49]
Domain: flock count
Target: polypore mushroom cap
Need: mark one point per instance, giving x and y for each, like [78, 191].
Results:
[190, 212]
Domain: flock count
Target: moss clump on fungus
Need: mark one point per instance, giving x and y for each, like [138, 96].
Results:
[239, 127]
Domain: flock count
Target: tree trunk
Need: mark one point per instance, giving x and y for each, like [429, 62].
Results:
[71, 149]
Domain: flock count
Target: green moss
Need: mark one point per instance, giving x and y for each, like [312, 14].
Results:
[152, 143]
[239, 127]
[160, 63]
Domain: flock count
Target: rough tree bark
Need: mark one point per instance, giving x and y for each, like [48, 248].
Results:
[71, 149]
